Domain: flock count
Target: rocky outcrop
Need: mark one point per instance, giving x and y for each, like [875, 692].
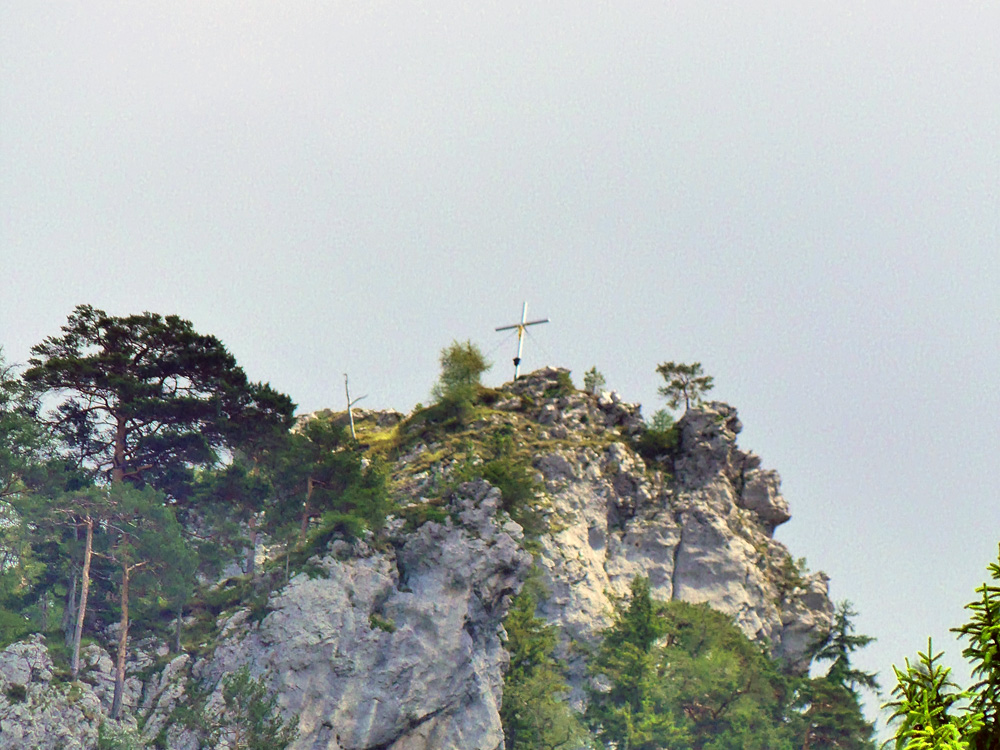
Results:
[703, 536]
[396, 642]
[398, 649]
[40, 712]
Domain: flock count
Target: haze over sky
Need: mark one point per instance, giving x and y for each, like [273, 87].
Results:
[804, 197]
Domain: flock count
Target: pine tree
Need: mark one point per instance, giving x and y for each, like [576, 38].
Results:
[145, 397]
[928, 705]
[685, 383]
[593, 380]
[931, 711]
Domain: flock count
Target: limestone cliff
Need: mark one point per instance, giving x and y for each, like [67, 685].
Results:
[396, 642]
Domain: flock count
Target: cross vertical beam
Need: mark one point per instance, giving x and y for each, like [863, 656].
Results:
[350, 404]
[520, 335]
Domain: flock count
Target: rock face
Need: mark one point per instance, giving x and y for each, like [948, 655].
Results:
[396, 643]
[399, 650]
[704, 537]
[39, 713]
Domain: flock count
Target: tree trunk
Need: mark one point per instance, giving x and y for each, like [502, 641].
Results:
[306, 511]
[177, 629]
[84, 590]
[118, 464]
[116, 703]
[69, 614]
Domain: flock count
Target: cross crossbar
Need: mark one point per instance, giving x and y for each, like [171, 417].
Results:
[520, 335]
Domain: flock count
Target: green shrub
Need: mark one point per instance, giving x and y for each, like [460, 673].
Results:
[374, 621]
[417, 515]
[519, 489]
[535, 712]
[593, 380]
[659, 439]
[562, 387]
[111, 737]
[252, 719]
[16, 693]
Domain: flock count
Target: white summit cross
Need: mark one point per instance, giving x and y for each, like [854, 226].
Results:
[520, 335]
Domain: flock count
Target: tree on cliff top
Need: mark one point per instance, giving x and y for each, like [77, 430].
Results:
[145, 397]
[462, 365]
[685, 383]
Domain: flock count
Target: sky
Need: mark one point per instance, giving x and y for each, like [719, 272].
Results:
[803, 197]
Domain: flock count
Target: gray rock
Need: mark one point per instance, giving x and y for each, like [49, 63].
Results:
[705, 539]
[41, 714]
[394, 649]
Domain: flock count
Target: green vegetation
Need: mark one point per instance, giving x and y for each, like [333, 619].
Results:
[831, 704]
[158, 461]
[930, 710]
[252, 719]
[535, 713]
[684, 676]
[462, 366]
[593, 380]
[685, 383]
[659, 438]
[110, 737]
[161, 463]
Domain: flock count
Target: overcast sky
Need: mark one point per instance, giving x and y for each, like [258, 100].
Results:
[804, 197]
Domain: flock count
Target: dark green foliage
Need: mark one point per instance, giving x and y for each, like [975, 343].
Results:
[417, 515]
[16, 693]
[562, 387]
[510, 473]
[685, 383]
[836, 647]
[830, 705]
[729, 693]
[118, 738]
[534, 713]
[362, 505]
[375, 621]
[632, 707]
[684, 676]
[518, 488]
[21, 438]
[145, 397]
[832, 717]
[251, 719]
[659, 438]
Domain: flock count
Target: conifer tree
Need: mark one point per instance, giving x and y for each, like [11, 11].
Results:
[685, 383]
[252, 719]
[144, 397]
[593, 380]
[534, 713]
[983, 635]
[833, 716]
[630, 703]
[931, 711]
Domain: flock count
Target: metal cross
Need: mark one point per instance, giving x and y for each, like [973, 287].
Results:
[520, 335]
